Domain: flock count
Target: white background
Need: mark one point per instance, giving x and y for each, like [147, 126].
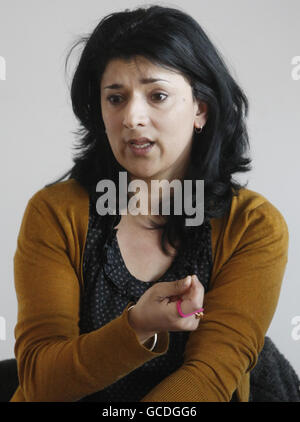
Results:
[258, 39]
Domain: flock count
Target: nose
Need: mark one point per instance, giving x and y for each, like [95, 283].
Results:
[135, 113]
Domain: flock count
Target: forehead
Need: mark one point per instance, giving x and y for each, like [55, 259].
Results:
[137, 68]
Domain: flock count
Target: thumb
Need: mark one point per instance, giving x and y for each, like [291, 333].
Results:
[175, 288]
[183, 284]
[186, 282]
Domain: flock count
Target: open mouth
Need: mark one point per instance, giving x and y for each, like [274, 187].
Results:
[141, 146]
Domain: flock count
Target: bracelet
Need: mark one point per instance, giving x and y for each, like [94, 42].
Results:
[155, 335]
[154, 342]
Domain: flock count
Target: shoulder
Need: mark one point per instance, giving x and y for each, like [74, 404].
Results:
[66, 193]
[249, 207]
[59, 208]
[251, 220]
[56, 219]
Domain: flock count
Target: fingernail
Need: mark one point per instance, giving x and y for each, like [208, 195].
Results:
[188, 280]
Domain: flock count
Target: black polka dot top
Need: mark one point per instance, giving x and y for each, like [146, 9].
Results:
[109, 287]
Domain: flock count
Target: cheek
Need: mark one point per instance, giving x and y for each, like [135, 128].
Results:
[180, 117]
[178, 127]
[112, 128]
[107, 114]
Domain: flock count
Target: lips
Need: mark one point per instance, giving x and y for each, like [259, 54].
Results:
[140, 141]
[140, 146]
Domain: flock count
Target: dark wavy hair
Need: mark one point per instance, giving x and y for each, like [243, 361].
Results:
[170, 38]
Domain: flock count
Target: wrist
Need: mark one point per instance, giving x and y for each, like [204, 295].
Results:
[142, 335]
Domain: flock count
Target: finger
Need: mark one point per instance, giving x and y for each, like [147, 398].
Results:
[196, 281]
[174, 288]
[192, 291]
[193, 299]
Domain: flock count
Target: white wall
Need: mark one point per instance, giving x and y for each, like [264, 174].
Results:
[259, 40]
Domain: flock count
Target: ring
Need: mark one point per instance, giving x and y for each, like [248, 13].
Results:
[197, 313]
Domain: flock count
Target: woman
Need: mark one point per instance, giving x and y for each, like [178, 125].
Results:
[107, 308]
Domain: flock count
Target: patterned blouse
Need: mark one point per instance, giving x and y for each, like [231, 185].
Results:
[109, 287]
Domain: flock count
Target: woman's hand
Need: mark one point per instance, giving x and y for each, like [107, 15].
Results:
[156, 310]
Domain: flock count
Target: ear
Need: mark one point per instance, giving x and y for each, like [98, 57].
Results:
[200, 113]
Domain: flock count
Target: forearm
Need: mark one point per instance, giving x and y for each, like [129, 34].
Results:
[69, 369]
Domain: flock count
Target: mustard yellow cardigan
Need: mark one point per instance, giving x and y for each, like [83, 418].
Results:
[55, 363]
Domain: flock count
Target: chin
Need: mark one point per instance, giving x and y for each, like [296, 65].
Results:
[142, 174]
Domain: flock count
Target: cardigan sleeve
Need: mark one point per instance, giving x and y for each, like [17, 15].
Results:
[55, 363]
[239, 308]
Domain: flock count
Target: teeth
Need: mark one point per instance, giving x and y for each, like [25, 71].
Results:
[142, 146]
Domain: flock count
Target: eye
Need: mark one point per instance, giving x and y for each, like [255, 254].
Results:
[112, 98]
[157, 97]
[160, 94]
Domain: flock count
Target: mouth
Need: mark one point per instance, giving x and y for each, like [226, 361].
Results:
[140, 146]
[141, 142]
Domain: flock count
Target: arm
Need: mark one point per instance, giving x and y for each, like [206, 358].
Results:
[55, 363]
[238, 311]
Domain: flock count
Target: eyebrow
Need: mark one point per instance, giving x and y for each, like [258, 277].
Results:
[143, 81]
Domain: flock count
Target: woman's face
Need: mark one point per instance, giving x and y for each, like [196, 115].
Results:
[135, 106]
